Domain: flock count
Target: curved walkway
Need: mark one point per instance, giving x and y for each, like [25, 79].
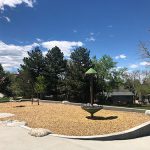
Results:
[16, 138]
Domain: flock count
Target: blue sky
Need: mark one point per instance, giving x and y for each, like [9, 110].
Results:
[112, 27]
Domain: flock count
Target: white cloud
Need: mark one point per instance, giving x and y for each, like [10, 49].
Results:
[145, 63]
[14, 3]
[11, 55]
[122, 56]
[65, 46]
[91, 33]
[44, 53]
[119, 67]
[75, 31]
[128, 71]
[39, 40]
[7, 19]
[91, 39]
[133, 66]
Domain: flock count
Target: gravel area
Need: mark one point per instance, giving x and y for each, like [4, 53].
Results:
[71, 120]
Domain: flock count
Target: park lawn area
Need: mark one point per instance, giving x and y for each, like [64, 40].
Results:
[71, 120]
[144, 107]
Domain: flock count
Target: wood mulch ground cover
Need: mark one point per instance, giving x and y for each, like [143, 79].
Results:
[71, 120]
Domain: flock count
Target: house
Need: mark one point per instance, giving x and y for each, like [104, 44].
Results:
[119, 96]
[122, 97]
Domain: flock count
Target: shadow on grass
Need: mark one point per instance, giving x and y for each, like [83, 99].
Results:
[102, 118]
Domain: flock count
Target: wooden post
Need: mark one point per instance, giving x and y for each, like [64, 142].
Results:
[32, 99]
[91, 90]
[38, 101]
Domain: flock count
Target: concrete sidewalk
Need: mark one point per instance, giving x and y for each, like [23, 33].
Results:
[17, 138]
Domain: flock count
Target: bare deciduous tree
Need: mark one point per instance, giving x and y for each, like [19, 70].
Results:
[145, 50]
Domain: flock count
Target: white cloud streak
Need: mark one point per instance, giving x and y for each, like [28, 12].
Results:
[92, 33]
[7, 19]
[133, 66]
[122, 56]
[145, 63]
[90, 39]
[14, 3]
[75, 31]
[65, 46]
[39, 40]
[11, 55]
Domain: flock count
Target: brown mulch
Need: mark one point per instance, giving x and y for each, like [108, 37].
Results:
[71, 120]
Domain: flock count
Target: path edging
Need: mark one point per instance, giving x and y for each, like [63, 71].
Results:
[106, 107]
[138, 131]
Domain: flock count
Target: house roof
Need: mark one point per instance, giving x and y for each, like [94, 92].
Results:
[122, 94]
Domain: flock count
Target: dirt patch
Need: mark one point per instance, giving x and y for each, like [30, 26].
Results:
[72, 120]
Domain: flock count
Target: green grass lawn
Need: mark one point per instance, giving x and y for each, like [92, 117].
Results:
[4, 99]
[137, 106]
[143, 107]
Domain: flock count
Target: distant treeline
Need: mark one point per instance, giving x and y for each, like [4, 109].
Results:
[54, 77]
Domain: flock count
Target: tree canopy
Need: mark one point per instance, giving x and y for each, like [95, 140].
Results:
[61, 78]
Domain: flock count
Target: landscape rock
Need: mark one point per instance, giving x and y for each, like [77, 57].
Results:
[39, 132]
[147, 112]
[95, 105]
[65, 102]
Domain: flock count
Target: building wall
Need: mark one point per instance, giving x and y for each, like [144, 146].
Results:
[122, 99]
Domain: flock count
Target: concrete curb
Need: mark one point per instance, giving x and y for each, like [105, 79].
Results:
[25, 127]
[50, 101]
[116, 108]
[139, 131]
[124, 109]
